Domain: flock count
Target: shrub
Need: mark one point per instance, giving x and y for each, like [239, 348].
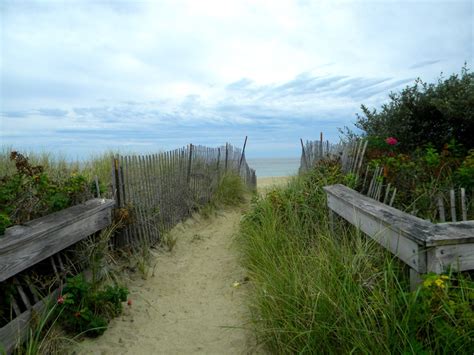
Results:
[426, 113]
[30, 192]
[82, 309]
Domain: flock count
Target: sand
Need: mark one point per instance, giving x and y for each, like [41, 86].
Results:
[194, 303]
[266, 183]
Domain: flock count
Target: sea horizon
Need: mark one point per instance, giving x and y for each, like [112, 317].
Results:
[274, 167]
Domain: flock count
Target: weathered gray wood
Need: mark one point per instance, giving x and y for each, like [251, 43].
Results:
[392, 199]
[415, 279]
[25, 245]
[442, 216]
[15, 332]
[362, 157]
[422, 245]
[22, 293]
[452, 200]
[243, 153]
[97, 188]
[463, 204]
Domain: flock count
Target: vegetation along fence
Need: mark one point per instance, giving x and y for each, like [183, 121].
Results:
[152, 193]
[423, 245]
[313, 151]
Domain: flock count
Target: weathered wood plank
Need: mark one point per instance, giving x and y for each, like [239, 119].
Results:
[15, 331]
[422, 245]
[421, 231]
[384, 233]
[25, 245]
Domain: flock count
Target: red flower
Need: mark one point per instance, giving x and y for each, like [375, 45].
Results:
[391, 140]
[129, 302]
[60, 299]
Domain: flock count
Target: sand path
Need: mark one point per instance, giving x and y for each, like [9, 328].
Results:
[192, 304]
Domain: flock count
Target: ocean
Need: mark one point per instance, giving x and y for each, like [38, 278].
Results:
[273, 167]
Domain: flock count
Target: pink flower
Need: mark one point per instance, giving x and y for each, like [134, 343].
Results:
[60, 300]
[391, 140]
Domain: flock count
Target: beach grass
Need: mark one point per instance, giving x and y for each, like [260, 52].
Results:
[321, 291]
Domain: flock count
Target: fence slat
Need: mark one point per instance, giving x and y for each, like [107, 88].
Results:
[452, 199]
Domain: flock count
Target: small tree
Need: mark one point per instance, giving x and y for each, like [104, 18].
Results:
[426, 113]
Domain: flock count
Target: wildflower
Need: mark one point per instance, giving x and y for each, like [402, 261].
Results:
[439, 283]
[444, 277]
[60, 299]
[77, 314]
[427, 282]
[129, 302]
[391, 140]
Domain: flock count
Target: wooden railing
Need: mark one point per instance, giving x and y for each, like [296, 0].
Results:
[422, 245]
[159, 190]
[26, 245]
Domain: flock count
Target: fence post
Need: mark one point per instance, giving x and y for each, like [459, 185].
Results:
[304, 155]
[226, 155]
[218, 159]
[97, 188]
[115, 181]
[243, 154]
[190, 159]
[321, 145]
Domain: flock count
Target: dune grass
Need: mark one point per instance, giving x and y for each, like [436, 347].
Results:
[58, 167]
[318, 291]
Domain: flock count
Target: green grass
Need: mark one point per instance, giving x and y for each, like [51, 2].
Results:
[231, 191]
[58, 167]
[315, 291]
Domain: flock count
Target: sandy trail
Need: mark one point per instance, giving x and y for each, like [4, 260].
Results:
[266, 183]
[191, 304]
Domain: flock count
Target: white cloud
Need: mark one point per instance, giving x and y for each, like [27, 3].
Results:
[293, 65]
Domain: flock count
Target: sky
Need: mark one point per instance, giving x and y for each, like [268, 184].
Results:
[82, 77]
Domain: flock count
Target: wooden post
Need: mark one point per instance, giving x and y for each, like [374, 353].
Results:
[226, 156]
[415, 279]
[190, 160]
[321, 145]
[97, 188]
[115, 180]
[243, 153]
[304, 155]
[453, 205]
[442, 216]
[463, 204]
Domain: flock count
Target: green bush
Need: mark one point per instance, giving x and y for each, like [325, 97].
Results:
[30, 192]
[83, 309]
[426, 113]
[334, 292]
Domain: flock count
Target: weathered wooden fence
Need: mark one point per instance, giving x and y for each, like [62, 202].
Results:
[152, 193]
[313, 151]
[157, 191]
[40, 241]
[422, 245]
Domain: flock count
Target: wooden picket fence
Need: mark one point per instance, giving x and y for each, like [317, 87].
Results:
[313, 151]
[151, 194]
[155, 192]
[452, 204]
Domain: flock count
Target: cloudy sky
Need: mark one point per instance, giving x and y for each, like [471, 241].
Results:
[80, 77]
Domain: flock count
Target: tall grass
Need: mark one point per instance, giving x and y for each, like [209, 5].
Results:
[318, 291]
[58, 167]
